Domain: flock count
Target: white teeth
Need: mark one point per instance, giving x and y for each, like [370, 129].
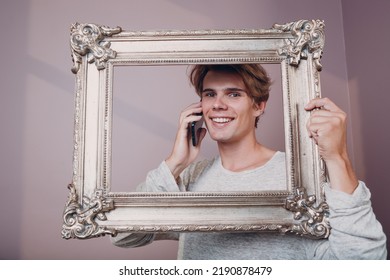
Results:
[221, 120]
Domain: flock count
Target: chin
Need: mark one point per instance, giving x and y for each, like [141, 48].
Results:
[220, 138]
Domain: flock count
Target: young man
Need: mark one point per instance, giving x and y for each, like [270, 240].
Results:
[233, 97]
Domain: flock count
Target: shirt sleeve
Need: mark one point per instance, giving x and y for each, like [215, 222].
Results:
[131, 240]
[157, 180]
[355, 231]
[160, 180]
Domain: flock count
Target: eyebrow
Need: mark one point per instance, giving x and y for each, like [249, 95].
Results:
[225, 89]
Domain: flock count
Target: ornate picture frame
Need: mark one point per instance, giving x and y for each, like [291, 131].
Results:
[93, 209]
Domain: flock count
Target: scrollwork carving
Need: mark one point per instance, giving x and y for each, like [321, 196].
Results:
[308, 37]
[317, 225]
[79, 220]
[88, 38]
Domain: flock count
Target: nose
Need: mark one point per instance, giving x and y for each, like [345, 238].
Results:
[219, 103]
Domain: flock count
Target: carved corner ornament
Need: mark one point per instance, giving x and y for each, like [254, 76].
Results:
[88, 38]
[302, 205]
[79, 220]
[308, 37]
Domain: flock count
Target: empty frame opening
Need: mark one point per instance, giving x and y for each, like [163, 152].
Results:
[147, 101]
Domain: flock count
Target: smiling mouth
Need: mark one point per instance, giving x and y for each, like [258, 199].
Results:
[222, 120]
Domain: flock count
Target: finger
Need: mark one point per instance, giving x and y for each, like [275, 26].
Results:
[334, 120]
[316, 125]
[185, 122]
[312, 131]
[327, 121]
[191, 110]
[316, 129]
[322, 103]
[324, 113]
[193, 105]
[327, 113]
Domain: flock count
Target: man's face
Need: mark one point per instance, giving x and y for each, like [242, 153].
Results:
[228, 111]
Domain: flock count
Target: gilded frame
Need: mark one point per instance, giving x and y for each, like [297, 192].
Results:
[93, 210]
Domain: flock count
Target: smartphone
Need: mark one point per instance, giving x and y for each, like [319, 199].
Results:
[193, 129]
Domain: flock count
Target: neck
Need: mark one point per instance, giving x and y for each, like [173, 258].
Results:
[244, 155]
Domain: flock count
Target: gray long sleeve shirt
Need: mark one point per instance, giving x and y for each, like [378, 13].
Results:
[356, 234]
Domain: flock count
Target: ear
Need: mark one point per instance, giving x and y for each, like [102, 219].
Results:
[259, 108]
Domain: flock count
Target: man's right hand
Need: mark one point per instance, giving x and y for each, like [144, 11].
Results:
[184, 153]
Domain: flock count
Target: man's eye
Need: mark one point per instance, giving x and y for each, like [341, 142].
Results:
[208, 94]
[234, 94]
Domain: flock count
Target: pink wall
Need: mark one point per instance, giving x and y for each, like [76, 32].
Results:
[37, 90]
[367, 41]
